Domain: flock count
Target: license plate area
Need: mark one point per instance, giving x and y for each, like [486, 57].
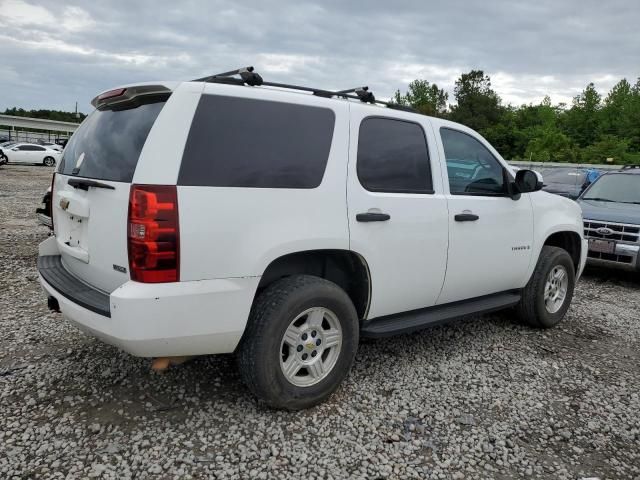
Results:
[72, 223]
[77, 232]
[602, 246]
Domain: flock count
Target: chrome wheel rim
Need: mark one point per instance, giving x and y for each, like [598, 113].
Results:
[555, 288]
[49, 162]
[310, 347]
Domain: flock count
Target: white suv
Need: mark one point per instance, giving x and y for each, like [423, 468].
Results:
[218, 216]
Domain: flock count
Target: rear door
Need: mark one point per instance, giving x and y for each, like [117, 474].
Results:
[397, 212]
[91, 190]
[38, 153]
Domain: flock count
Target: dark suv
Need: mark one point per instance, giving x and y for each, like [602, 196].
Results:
[611, 212]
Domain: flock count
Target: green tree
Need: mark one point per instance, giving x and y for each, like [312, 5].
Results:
[581, 121]
[609, 146]
[550, 145]
[58, 115]
[592, 129]
[478, 106]
[425, 97]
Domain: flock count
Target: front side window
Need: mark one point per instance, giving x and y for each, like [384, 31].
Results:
[393, 156]
[471, 167]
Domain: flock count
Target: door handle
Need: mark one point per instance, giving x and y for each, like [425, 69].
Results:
[372, 217]
[466, 217]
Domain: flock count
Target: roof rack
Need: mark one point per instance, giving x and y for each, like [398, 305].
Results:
[253, 79]
[630, 167]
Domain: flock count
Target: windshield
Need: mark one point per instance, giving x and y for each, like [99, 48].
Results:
[620, 188]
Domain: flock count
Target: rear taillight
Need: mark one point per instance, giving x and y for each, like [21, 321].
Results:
[153, 234]
[50, 206]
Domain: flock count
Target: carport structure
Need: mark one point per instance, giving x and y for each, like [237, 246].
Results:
[23, 128]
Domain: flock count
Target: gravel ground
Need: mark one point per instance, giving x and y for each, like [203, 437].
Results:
[481, 398]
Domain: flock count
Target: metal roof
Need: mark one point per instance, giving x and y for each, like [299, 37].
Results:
[38, 123]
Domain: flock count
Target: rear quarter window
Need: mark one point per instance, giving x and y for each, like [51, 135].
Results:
[240, 142]
[108, 143]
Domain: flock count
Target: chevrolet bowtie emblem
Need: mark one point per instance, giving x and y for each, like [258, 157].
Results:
[64, 203]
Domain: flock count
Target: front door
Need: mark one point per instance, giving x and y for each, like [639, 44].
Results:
[23, 154]
[490, 234]
[397, 210]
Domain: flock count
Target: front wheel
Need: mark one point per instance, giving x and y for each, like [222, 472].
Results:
[49, 162]
[300, 342]
[547, 296]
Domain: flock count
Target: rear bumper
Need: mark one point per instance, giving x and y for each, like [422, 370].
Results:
[154, 320]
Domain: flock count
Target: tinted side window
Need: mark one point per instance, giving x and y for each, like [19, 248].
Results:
[38, 149]
[471, 167]
[24, 148]
[393, 157]
[240, 142]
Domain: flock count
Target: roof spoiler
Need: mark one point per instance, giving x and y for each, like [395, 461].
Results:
[129, 96]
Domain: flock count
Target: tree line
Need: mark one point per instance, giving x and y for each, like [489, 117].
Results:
[44, 114]
[592, 129]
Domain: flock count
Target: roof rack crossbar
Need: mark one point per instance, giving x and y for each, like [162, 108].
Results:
[350, 90]
[249, 77]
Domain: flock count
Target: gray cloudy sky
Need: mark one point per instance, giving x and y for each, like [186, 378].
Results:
[56, 52]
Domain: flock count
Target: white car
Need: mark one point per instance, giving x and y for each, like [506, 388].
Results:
[31, 153]
[52, 146]
[209, 217]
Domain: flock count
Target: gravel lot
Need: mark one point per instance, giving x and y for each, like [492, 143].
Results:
[481, 398]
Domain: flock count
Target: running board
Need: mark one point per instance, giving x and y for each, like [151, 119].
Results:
[426, 317]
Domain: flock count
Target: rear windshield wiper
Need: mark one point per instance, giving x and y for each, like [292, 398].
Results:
[84, 184]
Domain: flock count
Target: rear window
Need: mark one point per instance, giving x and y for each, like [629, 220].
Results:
[240, 142]
[108, 143]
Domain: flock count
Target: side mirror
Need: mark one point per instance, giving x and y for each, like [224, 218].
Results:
[528, 181]
[15, 149]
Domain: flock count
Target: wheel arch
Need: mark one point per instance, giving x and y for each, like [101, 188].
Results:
[568, 240]
[345, 268]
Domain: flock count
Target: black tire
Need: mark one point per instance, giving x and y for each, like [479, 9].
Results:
[49, 162]
[532, 308]
[259, 353]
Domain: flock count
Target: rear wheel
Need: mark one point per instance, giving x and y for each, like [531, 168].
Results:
[547, 296]
[49, 162]
[300, 342]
